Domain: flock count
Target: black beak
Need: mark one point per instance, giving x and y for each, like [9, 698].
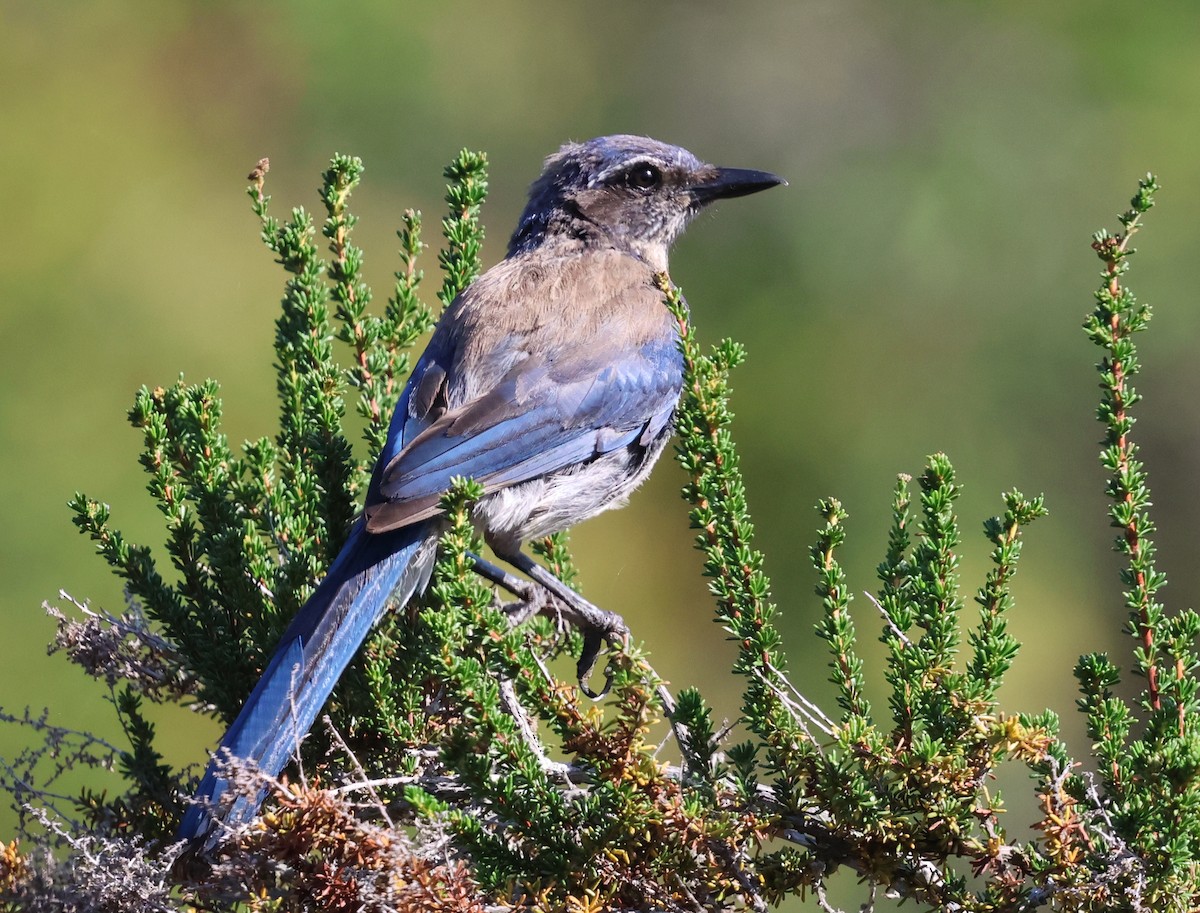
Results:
[723, 183]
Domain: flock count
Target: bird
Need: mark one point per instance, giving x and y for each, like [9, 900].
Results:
[552, 381]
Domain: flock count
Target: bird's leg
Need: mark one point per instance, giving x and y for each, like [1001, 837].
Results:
[532, 599]
[596, 625]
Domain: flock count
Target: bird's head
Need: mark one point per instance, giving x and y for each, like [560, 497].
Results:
[629, 191]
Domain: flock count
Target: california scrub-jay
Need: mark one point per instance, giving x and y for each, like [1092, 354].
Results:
[551, 381]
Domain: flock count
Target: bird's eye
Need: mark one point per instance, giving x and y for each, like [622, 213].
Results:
[643, 177]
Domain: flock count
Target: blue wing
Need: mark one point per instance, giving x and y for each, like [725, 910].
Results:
[546, 413]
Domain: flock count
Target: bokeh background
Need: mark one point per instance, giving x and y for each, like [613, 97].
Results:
[919, 286]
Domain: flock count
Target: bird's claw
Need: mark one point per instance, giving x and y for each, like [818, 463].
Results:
[593, 640]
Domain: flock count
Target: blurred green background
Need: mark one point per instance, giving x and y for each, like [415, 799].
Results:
[918, 287]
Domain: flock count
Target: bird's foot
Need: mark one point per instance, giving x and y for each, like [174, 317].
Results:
[545, 594]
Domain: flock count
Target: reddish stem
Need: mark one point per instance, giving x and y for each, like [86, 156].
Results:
[1132, 538]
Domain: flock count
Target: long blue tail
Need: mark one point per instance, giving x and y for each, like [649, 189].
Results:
[310, 658]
